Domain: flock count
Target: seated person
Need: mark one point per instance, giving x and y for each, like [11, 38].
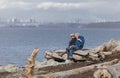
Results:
[76, 43]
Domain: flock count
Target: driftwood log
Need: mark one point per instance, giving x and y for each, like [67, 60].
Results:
[112, 71]
[31, 63]
[97, 53]
[79, 55]
[102, 73]
[67, 74]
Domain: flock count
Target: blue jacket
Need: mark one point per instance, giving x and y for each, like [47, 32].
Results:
[80, 42]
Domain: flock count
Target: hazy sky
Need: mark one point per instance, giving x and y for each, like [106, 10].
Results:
[61, 10]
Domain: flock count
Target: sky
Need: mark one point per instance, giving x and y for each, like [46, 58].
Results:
[83, 11]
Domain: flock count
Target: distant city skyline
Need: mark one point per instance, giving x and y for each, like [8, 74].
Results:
[84, 11]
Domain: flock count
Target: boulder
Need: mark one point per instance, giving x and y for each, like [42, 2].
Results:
[107, 53]
[108, 46]
[82, 52]
[2, 69]
[11, 68]
[56, 55]
[65, 56]
[78, 58]
[116, 49]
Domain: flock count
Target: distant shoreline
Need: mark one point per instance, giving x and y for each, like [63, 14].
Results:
[106, 25]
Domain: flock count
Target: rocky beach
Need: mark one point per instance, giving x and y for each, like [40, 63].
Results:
[100, 62]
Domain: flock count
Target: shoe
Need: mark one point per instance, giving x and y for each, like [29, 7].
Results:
[68, 61]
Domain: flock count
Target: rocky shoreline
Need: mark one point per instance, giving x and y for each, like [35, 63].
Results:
[88, 63]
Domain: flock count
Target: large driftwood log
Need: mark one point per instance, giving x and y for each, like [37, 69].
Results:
[77, 71]
[112, 71]
[61, 55]
[108, 46]
[31, 63]
[102, 73]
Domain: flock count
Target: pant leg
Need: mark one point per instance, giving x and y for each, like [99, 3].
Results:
[68, 52]
[71, 51]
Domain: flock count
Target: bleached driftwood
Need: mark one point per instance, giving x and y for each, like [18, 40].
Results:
[31, 63]
[114, 70]
[78, 55]
[77, 71]
[98, 53]
[102, 73]
[108, 72]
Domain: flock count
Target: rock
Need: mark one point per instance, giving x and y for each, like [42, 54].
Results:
[78, 58]
[102, 73]
[64, 56]
[116, 49]
[60, 51]
[69, 61]
[108, 46]
[51, 62]
[107, 53]
[96, 56]
[37, 64]
[111, 45]
[100, 48]
[2, 69]
[82, 53]
[54, 55]
[11, 68]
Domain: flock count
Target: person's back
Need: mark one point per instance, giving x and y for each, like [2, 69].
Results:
[80, 41]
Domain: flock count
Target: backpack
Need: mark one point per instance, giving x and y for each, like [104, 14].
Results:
[80, 42]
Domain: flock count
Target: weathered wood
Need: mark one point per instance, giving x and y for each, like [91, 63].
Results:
[31, 63]
[108, 72]
[82, 52]
[114, 70]
[108, 46]
[67, 74]
[102, 73]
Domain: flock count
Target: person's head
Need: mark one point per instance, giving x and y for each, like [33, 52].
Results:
[72, 35]
[77, 35]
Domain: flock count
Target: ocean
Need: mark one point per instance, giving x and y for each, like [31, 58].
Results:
[17, 44]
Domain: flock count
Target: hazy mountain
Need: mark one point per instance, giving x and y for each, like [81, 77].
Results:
[103, 25]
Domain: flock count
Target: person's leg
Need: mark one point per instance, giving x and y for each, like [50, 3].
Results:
[71, 51]
[68, 52]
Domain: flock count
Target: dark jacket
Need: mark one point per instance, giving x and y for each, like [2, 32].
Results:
[72, 41]
[80, 42]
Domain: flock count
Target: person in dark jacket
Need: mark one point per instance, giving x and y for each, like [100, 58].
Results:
[78, 44]
[71, 44]
[73, 40]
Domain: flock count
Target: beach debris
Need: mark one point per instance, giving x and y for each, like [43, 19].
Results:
[110, 71]
[100, 62]
[107, 46]
[79, 55]
[31, 64]
[77, 71]
[102, 73]
[114, 70]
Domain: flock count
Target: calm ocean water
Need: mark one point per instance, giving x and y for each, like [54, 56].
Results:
[16, 44]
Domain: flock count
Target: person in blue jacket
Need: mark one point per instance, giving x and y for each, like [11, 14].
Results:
[78, 45]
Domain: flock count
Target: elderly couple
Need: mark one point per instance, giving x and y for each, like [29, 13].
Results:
[76, 43]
